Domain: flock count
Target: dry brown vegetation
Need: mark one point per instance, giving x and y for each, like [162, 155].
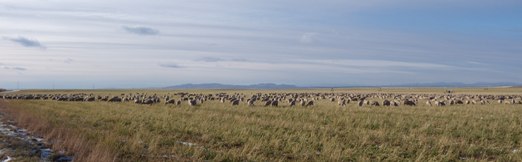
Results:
[101, 131]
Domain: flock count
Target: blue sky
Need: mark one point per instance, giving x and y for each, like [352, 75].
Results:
[155, 43]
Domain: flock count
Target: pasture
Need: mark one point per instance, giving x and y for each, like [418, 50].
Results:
[217, 131]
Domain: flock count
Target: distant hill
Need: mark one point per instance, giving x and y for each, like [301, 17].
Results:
[230, 86]
[2, 90]
[458, 84]
[287, 86]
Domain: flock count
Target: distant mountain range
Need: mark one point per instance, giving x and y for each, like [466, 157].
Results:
[458, 84]
[288, 86]
[230, 86]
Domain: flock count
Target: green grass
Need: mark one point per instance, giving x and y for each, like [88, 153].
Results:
[326, 132]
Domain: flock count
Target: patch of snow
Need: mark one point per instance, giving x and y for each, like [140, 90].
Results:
[8, 159]
[187, 143]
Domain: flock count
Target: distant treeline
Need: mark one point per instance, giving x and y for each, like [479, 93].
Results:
[1, 89]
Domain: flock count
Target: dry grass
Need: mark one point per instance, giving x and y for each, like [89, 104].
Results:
[514, 90]
[101, 131]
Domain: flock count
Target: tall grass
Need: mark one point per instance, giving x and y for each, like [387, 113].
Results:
[101, 131]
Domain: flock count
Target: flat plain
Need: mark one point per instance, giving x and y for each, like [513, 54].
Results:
[216, 131]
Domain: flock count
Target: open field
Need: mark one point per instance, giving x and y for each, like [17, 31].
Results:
[405, 90]
[105, 131]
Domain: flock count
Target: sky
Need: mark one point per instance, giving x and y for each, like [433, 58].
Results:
[156, 43]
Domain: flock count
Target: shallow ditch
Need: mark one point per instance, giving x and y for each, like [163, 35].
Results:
[17, 144]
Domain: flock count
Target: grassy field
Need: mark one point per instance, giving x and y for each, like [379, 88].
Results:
[101, 131]
[493, 91]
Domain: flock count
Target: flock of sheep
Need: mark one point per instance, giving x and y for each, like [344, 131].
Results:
[283, 99]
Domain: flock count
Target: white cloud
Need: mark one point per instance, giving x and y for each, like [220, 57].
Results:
[210, 59]
[68, 60]
[380, 64]
[13, 68]
[317, 65]
[308, 38]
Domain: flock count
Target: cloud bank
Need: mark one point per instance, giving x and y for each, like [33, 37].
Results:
[26, 42]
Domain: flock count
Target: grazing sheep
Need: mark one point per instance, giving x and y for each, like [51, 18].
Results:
[374, 103]
[268, 103]
[235, 102]
[114, 99]
[310, 103]
[251, 102]
[137, 101]
[386, 103]
[360, 103]
[275, 103]
[292, 103]
[451, 102]
[408, 103]
[342, 102]
[395, 103]
[304, 99]
[170, 101]
[459, 102]
[440, 103]
[148, 102]
[428, 103]
[90, 99]
[192, 102]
